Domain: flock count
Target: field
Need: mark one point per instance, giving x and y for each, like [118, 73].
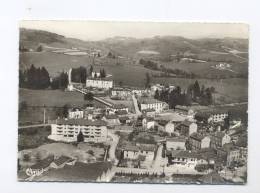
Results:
[54, 100]
[130, 73]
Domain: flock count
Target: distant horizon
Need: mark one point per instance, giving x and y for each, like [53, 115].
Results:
[98, 31]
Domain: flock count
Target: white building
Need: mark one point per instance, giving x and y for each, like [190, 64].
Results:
[99, 83]
[150, 103]
[75, 113]
[67, 130]
[148, 123]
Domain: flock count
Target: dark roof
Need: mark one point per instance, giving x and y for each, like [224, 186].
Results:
[230, 147]
[61, 160]
[80, 172]
[211, 178]
[43, 163]
[186, 123]
[82, 122]
[176, 139]
[148, 110]
[197, 136]
[185, 154]
[121, 112]
[124, 118]
[149, 101]
[119, 106]
[147, 147]
[218, 134]
[111, 117]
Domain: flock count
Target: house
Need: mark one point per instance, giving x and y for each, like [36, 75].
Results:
[124, 120]
[169, 128]
[185, 158]
[214, 116]
[229, 153]
[111, 120]
[149, 112]
[117, 108]
[62, 161]
[218, 139]
[99, 83]
[211, 178]
[150, 103]
[67, 130]
[139, 91]
[187, 127]
[175, 143]
[40, 167]
[148, 123]
[81, 172]
[198, 141]
[134, 151]
[120, 93]
[76, 113]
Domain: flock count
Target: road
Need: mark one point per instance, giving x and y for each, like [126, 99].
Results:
[137, 111]
[158, 162]
[113, 145]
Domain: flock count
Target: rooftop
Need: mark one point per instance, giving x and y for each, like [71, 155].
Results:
[149, 101]
[111, 117]
[119, 106]
[187, 123]
[197, 136]
[82, 122]
[176, 139]
[62, 159]
[80, 172]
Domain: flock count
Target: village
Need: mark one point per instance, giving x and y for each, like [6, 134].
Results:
[135, 137]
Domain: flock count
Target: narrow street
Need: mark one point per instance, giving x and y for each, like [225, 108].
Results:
[113, 145]
[137, 111]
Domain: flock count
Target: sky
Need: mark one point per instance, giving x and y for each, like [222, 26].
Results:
[98, 30]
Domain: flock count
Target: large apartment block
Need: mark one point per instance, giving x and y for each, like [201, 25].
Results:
[67, 130]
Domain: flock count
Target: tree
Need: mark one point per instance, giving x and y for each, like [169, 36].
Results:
[120, 83]
[80, 137]
[91, 70]
[196, 89]
[39, 48]
[157, 94]
[147, 80]
[65, 110]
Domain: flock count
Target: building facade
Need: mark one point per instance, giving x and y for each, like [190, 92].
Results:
[150, 103]
[198, 141]
[67, 130]
[99, 83]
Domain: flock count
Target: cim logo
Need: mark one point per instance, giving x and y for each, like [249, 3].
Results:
[31, 172]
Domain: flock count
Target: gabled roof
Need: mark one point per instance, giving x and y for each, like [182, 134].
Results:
[61, 160]
[218, 134]
[176, 139]
[121, 112]
[111, 117]
[197, 136]
[185, 154]
[119, 106]
[80, 172]
[187, 123]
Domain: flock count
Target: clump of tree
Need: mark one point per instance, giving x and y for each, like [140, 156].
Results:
[194, 93]
[166, 71]
[111, 55]
[147, 80]
[80, 137]
[39, 48]
[103, 73]
[79, 74]
[34, 78]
